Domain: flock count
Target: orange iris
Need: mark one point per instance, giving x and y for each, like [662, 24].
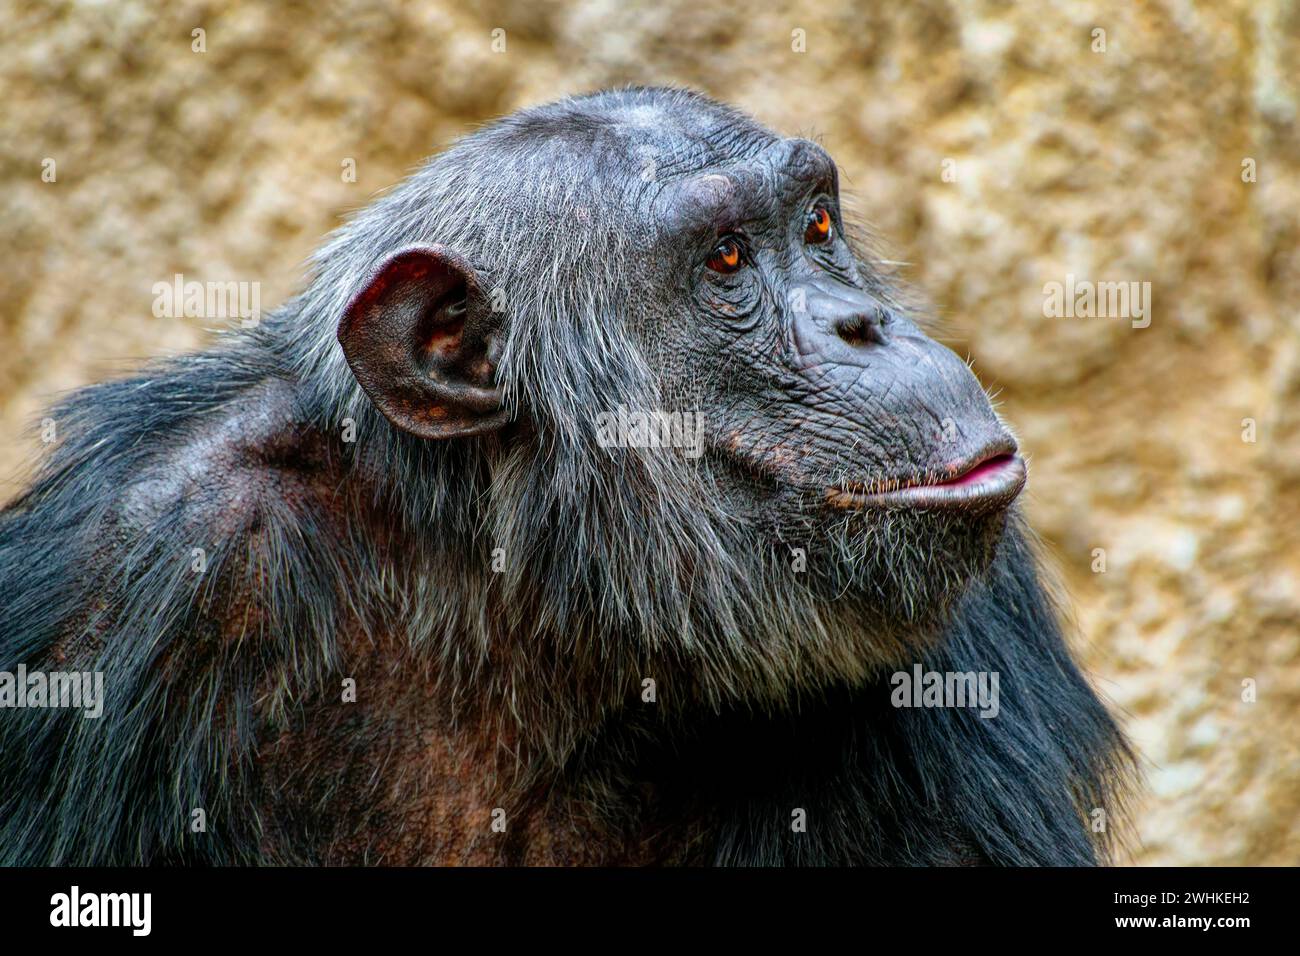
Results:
[725, 258]
[819, 225]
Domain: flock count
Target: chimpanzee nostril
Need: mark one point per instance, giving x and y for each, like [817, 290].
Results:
[863, 327]
[830, 308]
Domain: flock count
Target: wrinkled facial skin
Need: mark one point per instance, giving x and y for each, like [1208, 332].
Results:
[833, 423]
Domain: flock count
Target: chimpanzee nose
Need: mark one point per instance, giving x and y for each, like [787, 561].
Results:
[849, 313]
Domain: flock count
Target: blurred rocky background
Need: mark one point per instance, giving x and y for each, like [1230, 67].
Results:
[995, 146]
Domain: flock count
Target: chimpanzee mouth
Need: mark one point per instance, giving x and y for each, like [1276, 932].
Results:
[985, 483]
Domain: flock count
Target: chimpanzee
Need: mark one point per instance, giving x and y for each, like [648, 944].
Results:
[377, 581]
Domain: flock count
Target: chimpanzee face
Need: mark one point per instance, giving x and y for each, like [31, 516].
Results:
[832, 413]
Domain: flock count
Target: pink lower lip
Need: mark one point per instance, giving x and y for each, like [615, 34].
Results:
[986, 469]
[992, 483]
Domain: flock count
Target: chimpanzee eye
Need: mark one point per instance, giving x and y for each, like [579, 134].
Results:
[728, 256]
[819, 225]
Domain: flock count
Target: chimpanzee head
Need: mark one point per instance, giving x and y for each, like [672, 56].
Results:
[629, 339]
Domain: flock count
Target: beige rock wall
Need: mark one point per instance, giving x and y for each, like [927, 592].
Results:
[1116, 165]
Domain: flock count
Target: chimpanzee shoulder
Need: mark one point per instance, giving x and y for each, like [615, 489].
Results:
[183, 526]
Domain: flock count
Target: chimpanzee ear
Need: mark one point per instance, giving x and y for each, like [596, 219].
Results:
[423, 342]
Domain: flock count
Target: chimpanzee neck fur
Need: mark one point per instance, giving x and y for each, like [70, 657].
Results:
[366, 561]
